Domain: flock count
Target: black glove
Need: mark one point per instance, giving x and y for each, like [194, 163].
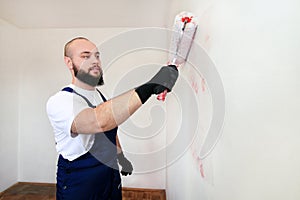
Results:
[163, 80]
[125, 164]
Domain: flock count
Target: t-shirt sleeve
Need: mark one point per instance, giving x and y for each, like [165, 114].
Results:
[62, 109]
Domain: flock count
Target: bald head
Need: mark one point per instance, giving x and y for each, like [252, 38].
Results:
[68, 46]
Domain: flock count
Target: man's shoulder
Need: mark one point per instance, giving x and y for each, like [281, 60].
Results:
[61, 94]
[60, 98]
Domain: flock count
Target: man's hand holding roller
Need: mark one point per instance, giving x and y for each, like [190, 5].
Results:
[163, 80]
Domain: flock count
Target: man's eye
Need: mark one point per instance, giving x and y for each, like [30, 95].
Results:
[85, 56]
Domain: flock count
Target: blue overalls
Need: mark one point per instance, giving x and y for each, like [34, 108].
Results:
[94, 175]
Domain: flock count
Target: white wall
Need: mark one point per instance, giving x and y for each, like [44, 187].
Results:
[254, 45]
[9, 104]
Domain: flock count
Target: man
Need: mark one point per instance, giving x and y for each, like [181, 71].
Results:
[85, 125]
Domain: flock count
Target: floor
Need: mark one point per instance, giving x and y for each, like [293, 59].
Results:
[29, 191]
[44, 191]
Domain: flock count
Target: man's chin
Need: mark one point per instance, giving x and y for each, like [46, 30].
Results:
[90, 80]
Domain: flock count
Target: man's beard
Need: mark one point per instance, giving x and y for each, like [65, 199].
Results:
[87, 78]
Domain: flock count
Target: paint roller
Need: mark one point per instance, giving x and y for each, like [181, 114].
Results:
[183, 33]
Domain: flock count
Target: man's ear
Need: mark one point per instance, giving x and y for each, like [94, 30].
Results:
[68, 62]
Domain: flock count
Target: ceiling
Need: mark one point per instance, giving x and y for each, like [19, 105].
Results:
[85, 13]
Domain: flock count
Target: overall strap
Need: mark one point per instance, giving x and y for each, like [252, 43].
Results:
[102, 96]
[68, 89]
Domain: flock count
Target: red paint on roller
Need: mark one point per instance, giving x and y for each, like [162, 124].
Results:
[186, 19]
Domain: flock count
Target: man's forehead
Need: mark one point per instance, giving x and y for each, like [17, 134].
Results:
[80, 46]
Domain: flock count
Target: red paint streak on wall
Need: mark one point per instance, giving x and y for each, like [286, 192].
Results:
[199, 163]
[194, 85]
[203, 84]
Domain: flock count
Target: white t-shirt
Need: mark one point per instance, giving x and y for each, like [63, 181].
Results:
[62, 108]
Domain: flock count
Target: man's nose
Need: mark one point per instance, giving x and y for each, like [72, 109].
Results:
[95, 60]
